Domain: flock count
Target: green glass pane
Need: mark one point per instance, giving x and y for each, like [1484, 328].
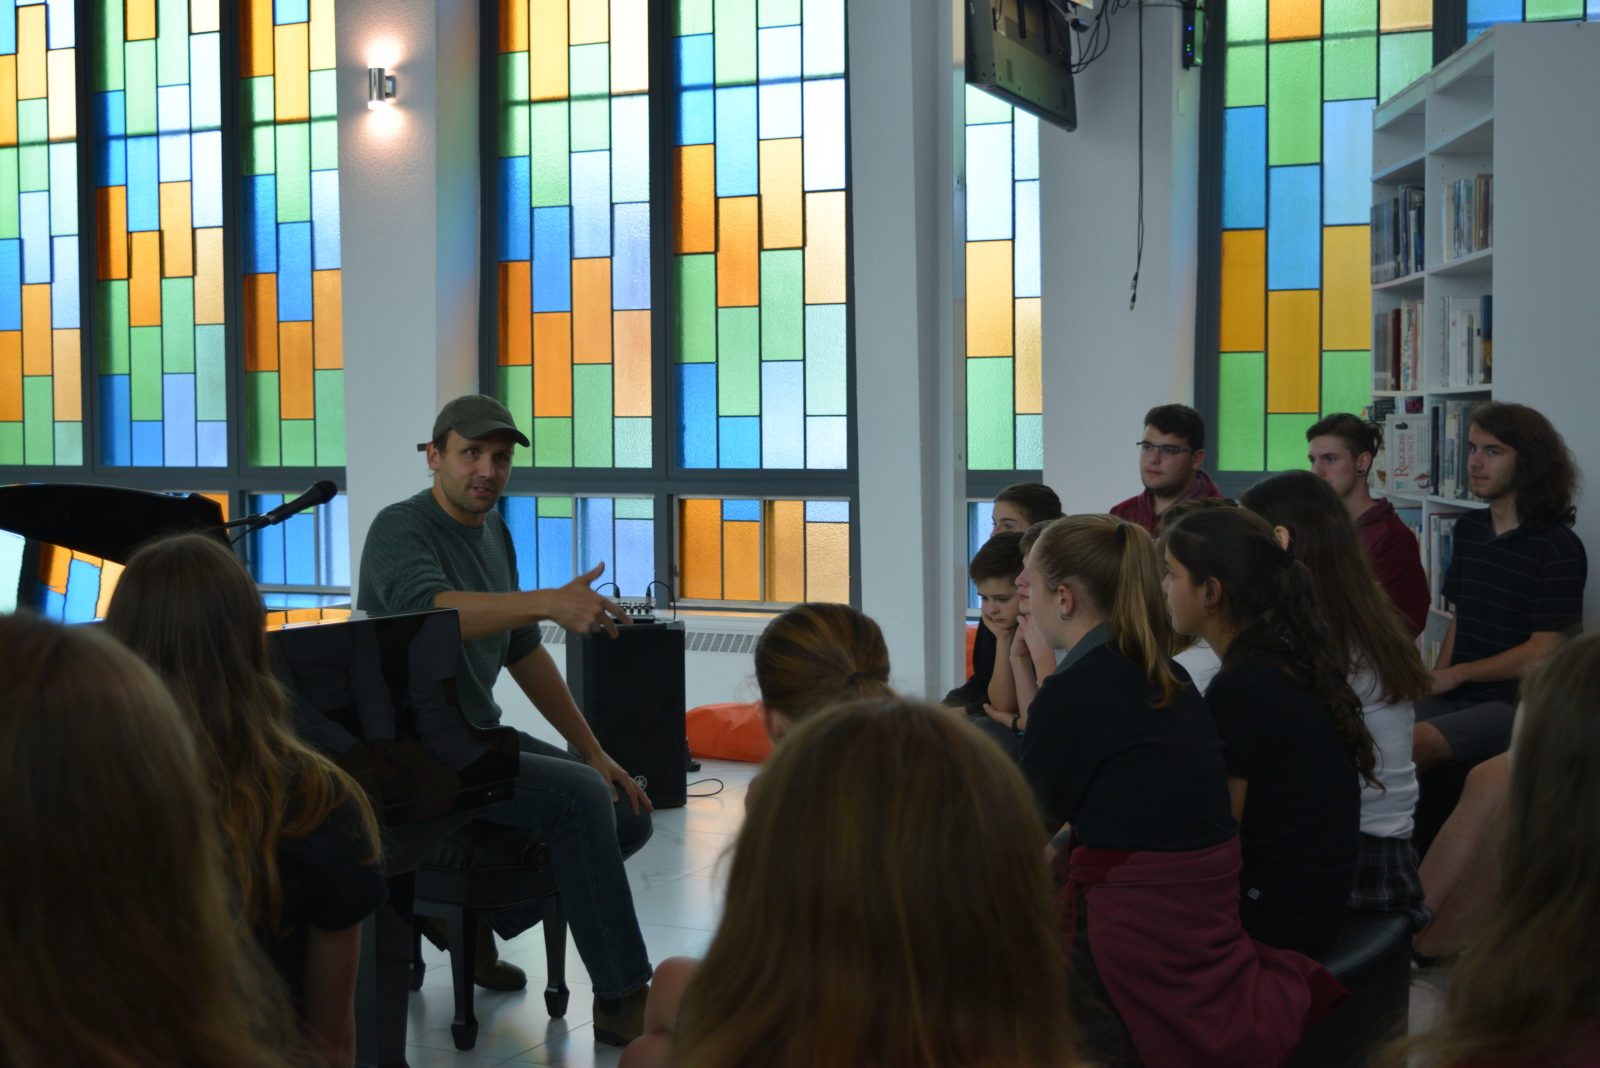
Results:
[589, 79]
[738, 361]
[1246, 76]
[69, 444]
[735, 42]
[553, 507]
[324, 145]
[989, 416]
[140, 77]
[211, 373]
[782, 305]
[329, 386]
[589, 70]
[257, 101]
[172, 42]
[113, 301]
[549, 149]
[261, 400]
[38, 419]
[145, 371]
[1294, 103]
[177, 325]
[10, 218]
[294, 172]
[697, 309]
[779, 13]
[33, 132]
[1247, 20]
[516, 392]
[1350, 68]
[11, 452]
[633, 442]
[108, 37]
[324, 94]
[1286, 441]
[591, 414]
[514, 115]
[692, 16]
[299, 443]
[984, 108]
[634, 508]
[826, 380]
[1545, 10]
[1346, 381]
[1241, 411]
[63, 177]
[1030, 442]
[1402, 59]
[552, 442]
[1341, 17]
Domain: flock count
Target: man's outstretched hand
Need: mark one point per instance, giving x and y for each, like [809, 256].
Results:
[580, 609]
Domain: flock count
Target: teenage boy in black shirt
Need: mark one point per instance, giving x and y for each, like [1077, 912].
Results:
[1516, 579]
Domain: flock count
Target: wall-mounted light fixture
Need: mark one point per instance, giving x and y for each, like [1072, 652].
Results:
[380, 87]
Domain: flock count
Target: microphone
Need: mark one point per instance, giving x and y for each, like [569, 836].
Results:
[320, 493]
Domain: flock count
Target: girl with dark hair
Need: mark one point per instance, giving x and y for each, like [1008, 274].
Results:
[1295, 740]
[301, 837]
[1373, 639]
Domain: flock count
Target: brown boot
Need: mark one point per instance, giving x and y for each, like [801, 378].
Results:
[489, 971]
[616, 1023]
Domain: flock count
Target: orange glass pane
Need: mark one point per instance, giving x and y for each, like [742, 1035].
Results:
[324, 50]
[36, 340]
[327, 310]
[631, 363]
[547, 50]
[1030, 358]
[513, 27]
[144, 279]
[291, 83]
[111, 208]
[552, 364]
[738, 253]
[700, 553]
[255, 38]
[32, 76]
[697, 198]
[11, 376]
[782, 203]
[139, 19]
[825, 248]
[1292, 20]
[588, 21]
[989, 300]
[208, 275]
[786, 551]
[591, 311]
[516, 314]
[741, 561]
[297, 397]
[69, 381]
[177, 231]
[1346, 288]
[54, 562]
[1244, 287]
[8, 100]
[1405, 15]
[828, 562]
[260, 322]
[1294, 362]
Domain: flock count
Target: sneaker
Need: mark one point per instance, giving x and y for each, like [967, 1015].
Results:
[618, 1022]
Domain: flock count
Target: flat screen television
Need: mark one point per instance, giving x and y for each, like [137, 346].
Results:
[1019, 51]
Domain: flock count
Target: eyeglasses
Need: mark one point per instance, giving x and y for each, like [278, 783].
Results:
[1169, 451]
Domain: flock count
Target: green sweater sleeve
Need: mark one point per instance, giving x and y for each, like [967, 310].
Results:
[401, 569]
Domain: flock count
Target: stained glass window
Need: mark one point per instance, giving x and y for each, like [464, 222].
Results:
[12, 547]
[41, 392]
[759, 150]
[751, 550]
[293, 355]
[574, 230]
[1302, 78]
[1005, 427]
[1481, 14]
[558, 538]
[310, 548]
[980, 521]
[159, 265]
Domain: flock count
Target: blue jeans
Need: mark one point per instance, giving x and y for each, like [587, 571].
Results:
[565, 800]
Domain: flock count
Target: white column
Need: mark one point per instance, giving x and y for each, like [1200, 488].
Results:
[1104, 365]
[408, 203]
[904, 95]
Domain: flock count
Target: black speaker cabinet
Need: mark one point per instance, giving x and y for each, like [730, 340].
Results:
[630, 689]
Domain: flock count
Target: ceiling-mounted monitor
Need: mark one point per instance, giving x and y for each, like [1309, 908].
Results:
[1019, 51]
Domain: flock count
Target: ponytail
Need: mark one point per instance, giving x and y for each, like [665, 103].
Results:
[818, 655]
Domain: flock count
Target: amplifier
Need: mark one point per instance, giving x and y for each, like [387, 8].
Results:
[631, 690]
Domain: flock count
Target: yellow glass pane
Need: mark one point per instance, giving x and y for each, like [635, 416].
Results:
[11, 376]
[591, 311]
[32, 80]
[989, 299]
[741, 561]
[825, 248]
[144, 280]
[588, 21]
[110, 575]
[327, 309]
[111, 212]
[260, 321]
[513, 25]
[139, 19]
[291, 83]
[296, 379]
[255, 50]
[203, 16]
[552, 364]
[1244, 285]
[1029, 386]
[177, 234]
[516, 314]
[630, 53]
[63, 95]
[738, 253]
[700, 549]
[1346, 288]
[69, 380]
[8, 100]
[630, 362]
[547, 50]
[786, 551]
[36, 340]
[324, 50]
[1405, 15]
[782, 203]
[697, 198]
[208, 275]
[828, 562]
[1294, 362]
[1292, 20]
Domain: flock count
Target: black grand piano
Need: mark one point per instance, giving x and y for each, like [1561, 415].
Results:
[385, 684]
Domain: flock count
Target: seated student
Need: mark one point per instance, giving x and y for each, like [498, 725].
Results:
[1342, 448]
[1191, 651]
[1369, 635]
[1121, 747]
[994, 571]
[1291, 726]
[1032, 658]
[1170, 454]
[1516, 578]
[117, 943]
[1524, 992]
[881, 829]
[1016, 508]
[302, 840]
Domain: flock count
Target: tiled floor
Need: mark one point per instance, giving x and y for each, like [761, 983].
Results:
[676, 878]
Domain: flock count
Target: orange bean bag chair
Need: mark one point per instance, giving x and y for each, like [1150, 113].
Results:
[730, 731]
[972, 636]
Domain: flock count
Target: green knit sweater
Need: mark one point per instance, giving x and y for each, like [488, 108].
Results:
[414, 552]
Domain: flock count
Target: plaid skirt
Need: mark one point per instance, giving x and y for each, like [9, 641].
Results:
[1387, 880]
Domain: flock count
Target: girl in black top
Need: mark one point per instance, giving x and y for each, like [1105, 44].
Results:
[1290, 723]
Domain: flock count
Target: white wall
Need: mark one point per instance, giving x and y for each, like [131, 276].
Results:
[1105, 366]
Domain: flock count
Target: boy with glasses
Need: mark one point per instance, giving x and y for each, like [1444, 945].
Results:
[1170, 455]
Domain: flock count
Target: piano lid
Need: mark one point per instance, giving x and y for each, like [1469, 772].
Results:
[105, 521]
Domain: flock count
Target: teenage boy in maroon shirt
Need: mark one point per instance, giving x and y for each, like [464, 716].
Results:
[1170, 454]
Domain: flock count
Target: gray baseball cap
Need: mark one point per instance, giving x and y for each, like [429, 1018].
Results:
[475, 416]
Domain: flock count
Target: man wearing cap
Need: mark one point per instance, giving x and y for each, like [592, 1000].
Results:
[448, 547]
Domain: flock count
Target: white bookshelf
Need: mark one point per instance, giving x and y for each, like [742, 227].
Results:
[1518, 103]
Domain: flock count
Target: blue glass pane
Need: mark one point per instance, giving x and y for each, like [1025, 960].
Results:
[738, 172]
[697, 414]
[630, 257]
[294, 272]
[827, 511]
[515, 224]
[1244, 168]
[520, 515]
[1481, 14]
[739, 441]
[989, 182]
[300, 550]
[635, 554]
[555, 552]
[83, 592]
[783, 426]
[1347, 146]
[591, 204]
[825, 441]
[552, 260]
[1025, 277]
[1294, 229]
[177, 400]
[736, 511]
[980, 520]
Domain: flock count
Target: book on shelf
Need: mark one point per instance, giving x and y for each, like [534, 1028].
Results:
[1466, 223]
[1397, 347]
[1450, 471]
[1379, 412]
[1397, 235]
[1467, 353]
[1441, 538]
[1406, 439]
